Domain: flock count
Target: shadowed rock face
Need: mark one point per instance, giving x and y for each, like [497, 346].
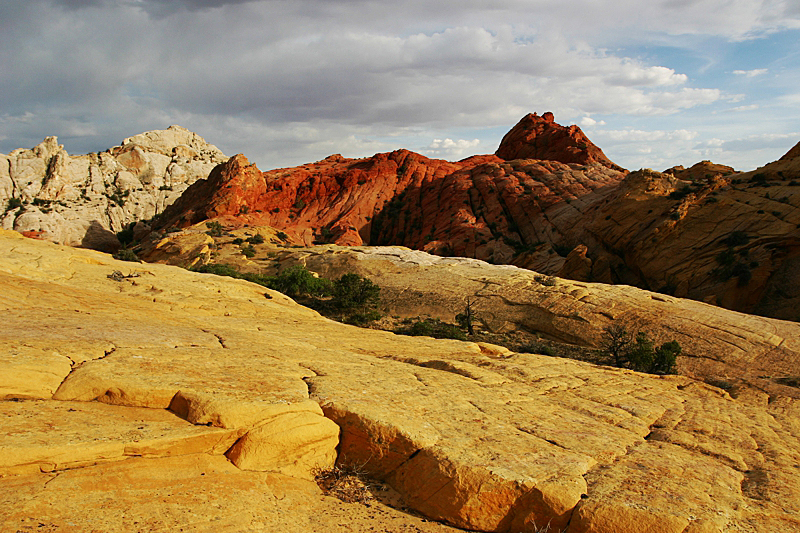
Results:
[236, 388]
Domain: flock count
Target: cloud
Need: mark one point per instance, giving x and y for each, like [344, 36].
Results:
[589, 121]
[750, 107]
[289, 81]
[633, 136]
[450, 149]
[751, 73]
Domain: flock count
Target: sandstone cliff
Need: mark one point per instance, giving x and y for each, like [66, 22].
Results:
[163, 399]
[83, 200]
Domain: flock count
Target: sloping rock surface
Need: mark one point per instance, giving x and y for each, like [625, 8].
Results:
[717, 343]
[160, 369]
[83, 200]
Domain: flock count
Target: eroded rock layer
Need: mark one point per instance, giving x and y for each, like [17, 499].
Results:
[161, 380]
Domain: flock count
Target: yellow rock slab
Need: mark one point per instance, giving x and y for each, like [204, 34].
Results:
[480, 439]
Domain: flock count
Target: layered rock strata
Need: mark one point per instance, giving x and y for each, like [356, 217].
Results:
[145, 377]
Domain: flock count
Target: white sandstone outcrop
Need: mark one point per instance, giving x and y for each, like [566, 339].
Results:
[83, 200]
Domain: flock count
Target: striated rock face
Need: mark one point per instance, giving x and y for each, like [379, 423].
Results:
[480, 438]
[730, 240]
[536, 137]
[83, 200]
[791, 154]
[481, 207]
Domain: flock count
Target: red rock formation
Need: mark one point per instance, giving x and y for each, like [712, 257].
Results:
[657, 231]
[481, 207]
[536, 137]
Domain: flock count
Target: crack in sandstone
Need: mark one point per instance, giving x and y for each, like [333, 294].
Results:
[219, 337]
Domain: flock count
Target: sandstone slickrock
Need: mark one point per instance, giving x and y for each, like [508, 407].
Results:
[474, 436]
[717, 343]
[84, 200]
[536, 137]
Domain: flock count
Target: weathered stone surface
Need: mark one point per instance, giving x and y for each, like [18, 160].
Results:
[199, 493]
[717, 343]
[468, 434]
[84, 200]
[536, 137]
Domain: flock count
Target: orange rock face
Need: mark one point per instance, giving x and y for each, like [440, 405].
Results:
[536, 137]
[483, 206]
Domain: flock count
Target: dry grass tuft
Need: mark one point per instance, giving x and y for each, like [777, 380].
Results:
[348, 483]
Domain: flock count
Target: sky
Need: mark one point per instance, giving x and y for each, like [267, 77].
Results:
[654, 84]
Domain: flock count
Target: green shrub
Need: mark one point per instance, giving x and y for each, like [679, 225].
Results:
[638, 352]
[256, 239]
[13, 203]
[298, 281]
[219, 269]
[538, 348]
[126, 254]
[351, 291]
[238, 240]
[736, 238]
[215, 229]
[433, 327]
[249, 251]
[126, 235]
[282, 236]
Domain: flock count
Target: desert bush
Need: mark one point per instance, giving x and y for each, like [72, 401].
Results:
[249, 251]
[215, 229]
[433, 327]
[638, 352]
[347, 483]
[298, 281]
[547, 281]
[538, 348]
[351, 291]
[736, 238]
[126, 254]
[125, 236]
[256, 239]
[13, 203]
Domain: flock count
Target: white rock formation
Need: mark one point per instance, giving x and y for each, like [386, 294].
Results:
[83, 200]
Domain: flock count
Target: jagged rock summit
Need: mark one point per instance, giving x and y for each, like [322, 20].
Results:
[536, 137]
[84, 200]
[144, 397]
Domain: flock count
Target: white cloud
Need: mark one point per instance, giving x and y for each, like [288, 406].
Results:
[635, 136]
[750, 107]
[450, 149]
[288, 82]
[751, 73]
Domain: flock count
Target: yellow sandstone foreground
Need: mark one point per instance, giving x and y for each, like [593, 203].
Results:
[159, 399]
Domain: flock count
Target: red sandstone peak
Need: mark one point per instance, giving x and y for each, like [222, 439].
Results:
[791, 154]
[536, 137]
